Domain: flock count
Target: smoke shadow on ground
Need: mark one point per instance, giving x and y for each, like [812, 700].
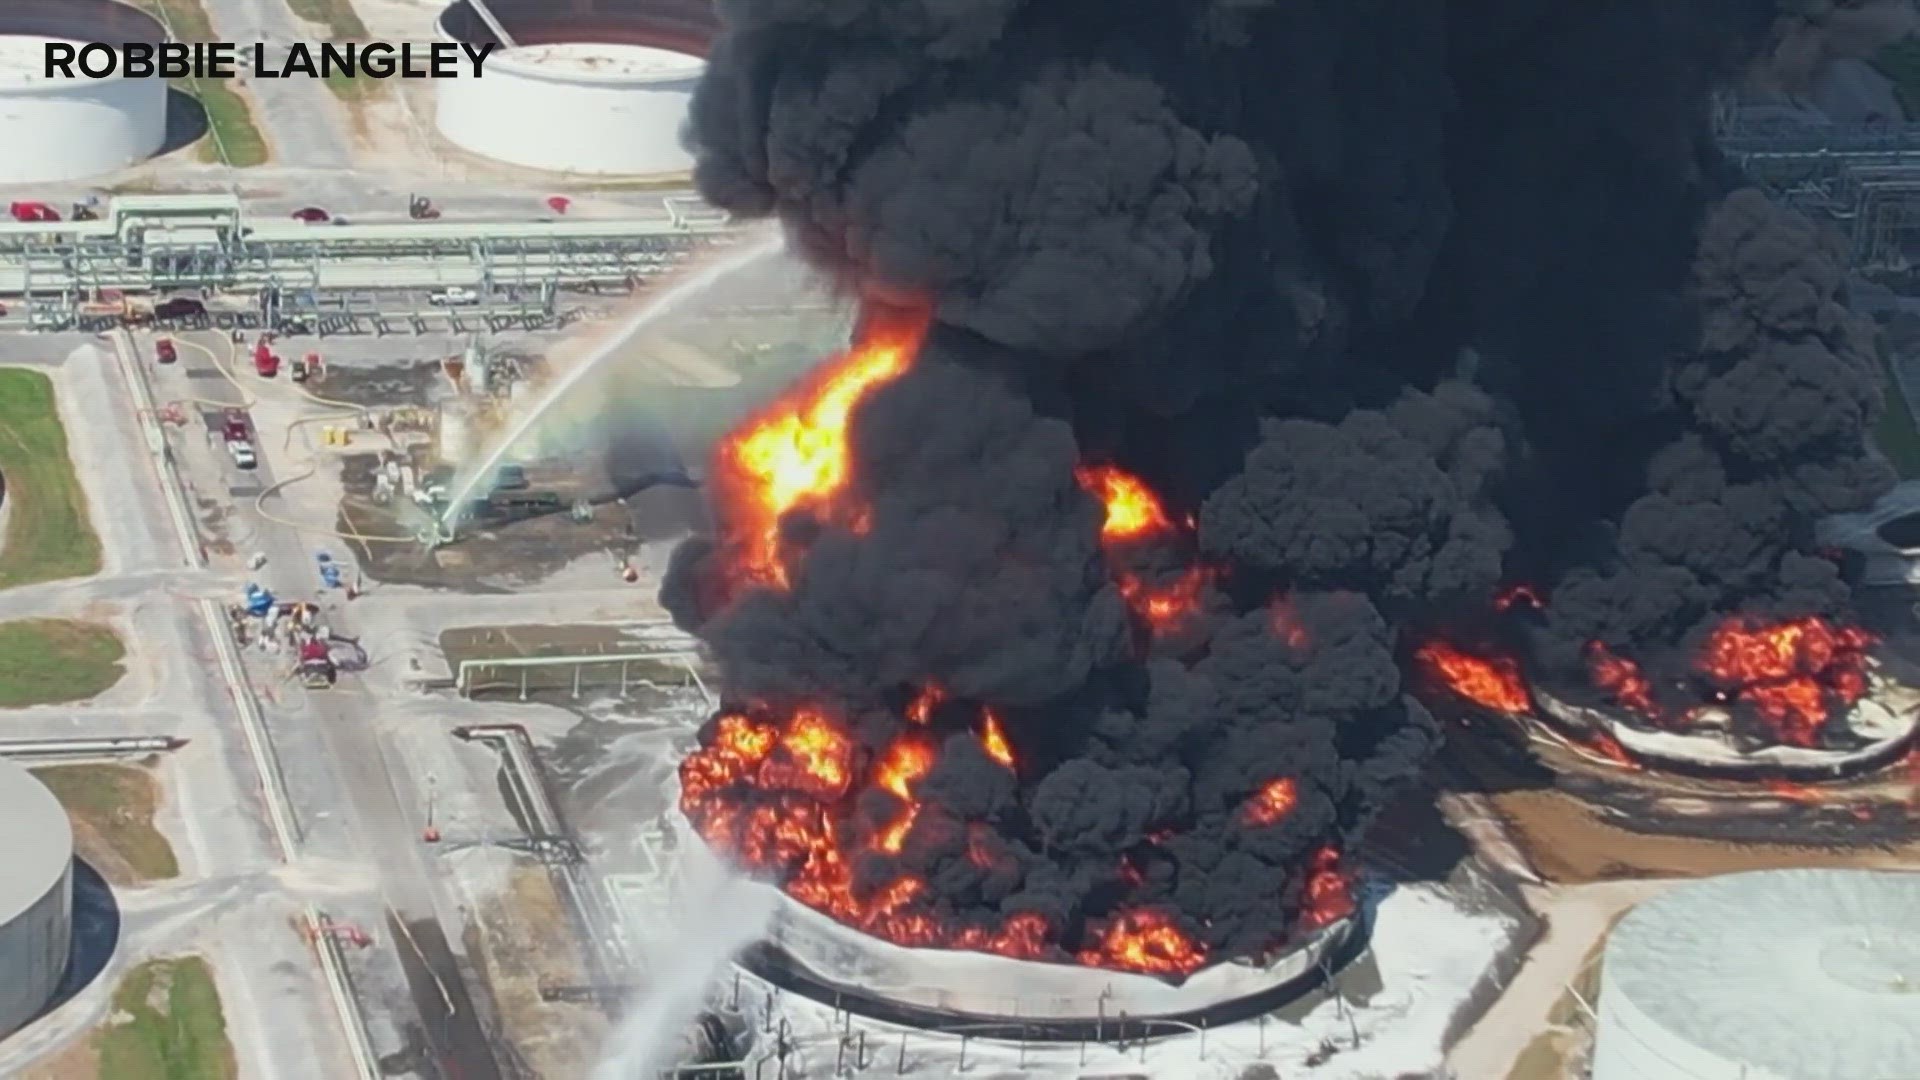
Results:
[186, 122]
[96, 933]
[1412, 841]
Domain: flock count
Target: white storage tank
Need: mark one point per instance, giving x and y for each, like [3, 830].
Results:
[1773, 975]
[60, 128]
[36, 895]
[594, 89]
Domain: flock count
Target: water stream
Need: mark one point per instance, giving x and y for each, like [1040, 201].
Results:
[655, 308]
[714, 915]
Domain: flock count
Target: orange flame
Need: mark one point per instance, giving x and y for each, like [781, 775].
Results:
[1168, 607]
[906, 761]
[1133, 510]
[1520, 595]
[994, 741]
[793, 453]
[1792, 673]
[1603, 743]
[1621, 677]
[920, 711]
[1275, 800]
[1145, 940]
[1328, 895]
[1490, 682]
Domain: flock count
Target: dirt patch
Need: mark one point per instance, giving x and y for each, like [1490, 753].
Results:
[80, 1061]
[1571, 842]
[112, 808]
[527, 943]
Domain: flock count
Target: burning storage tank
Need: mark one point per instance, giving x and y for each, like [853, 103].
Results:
[36, 896]
[596, 88]
[67, 128]
[1787, 974]
[1218, 358]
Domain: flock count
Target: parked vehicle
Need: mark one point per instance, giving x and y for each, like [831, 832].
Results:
[234, 427]
[243, 455]
[456, 296]
[179, 307]
[33, 211]
[510, 478]
[164, 352]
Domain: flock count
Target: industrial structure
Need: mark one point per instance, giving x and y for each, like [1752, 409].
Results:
[67, 128]
[36, 896]
[1000, 996]
[1773, 975]
[1864, 179]
[290, 275]
[619, 74]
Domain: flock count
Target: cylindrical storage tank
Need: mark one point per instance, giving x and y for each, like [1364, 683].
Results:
[36, 895]
[62, 128]
[592, 87]
[1774, 975]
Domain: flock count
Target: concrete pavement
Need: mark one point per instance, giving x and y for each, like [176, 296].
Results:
[276, 1016]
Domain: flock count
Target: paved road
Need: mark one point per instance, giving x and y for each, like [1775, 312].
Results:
[303, 121]
[352, 796]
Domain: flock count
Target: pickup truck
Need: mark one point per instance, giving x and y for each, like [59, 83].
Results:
[456, 296]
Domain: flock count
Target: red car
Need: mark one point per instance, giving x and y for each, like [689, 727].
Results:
[163, 351]
[266, 363]
[33, 211]
[312, 215]
[233, 426]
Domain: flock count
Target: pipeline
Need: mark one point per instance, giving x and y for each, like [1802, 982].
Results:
[108, 746]
[595, 923]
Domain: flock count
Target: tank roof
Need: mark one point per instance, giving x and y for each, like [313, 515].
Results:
[37, 843]
[1812, 974]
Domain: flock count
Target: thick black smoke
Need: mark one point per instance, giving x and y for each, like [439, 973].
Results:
[1397, 298]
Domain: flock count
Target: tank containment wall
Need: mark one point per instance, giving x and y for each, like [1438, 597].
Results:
[36, 896]
[66, 129]
[1774, 975]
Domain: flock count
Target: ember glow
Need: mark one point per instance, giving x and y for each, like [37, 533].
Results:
[1492, 682]
[1275, 800]
[792, 455]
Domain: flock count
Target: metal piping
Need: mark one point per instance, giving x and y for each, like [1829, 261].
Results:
[515, 745]
[110, 746]
[486, 16]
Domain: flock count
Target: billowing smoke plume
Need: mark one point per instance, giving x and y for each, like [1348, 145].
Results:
[1387, 302]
